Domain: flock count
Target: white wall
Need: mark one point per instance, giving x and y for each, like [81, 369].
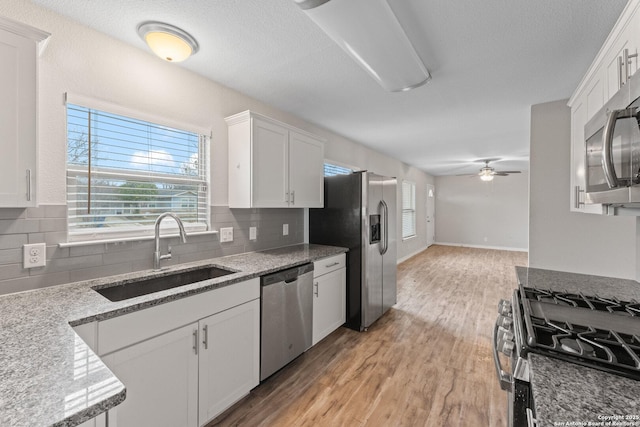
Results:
[560, 239]
[471, 212]
[89, 63]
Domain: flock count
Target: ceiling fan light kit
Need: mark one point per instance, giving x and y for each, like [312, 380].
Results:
[369, 31]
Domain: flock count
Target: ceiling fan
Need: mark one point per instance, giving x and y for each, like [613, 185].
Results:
[487, 172]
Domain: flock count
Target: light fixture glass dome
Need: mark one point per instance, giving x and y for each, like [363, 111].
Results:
[486, 176]
[167, 41]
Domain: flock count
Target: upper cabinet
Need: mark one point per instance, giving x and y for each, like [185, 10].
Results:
[19, 49]
[273, 165]
[615, 63]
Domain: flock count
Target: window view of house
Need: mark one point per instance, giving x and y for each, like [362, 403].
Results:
[123, 172]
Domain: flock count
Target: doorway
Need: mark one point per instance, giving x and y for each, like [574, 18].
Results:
[431, 221]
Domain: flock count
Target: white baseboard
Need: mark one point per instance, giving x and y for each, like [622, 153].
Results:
[404, 258]
[497, 248]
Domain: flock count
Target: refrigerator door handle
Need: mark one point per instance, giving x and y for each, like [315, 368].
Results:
[385, 225]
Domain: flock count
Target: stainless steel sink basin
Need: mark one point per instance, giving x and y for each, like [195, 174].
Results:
[157, 284]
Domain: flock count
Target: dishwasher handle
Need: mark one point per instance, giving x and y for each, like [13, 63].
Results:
[289, 275]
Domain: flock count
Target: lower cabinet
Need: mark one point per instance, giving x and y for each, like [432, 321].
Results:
[229, 358]
[189, 374]
[329, 296]
[161, 377]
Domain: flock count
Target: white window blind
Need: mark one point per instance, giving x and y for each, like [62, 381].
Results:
[408, 209]
[123, 172]
[331, 170]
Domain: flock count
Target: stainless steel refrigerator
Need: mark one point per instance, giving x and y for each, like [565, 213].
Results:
[360, 213]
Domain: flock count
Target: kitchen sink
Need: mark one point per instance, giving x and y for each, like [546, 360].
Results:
[157, 284]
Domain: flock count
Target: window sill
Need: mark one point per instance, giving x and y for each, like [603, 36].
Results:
[409, 237]
[130, 239]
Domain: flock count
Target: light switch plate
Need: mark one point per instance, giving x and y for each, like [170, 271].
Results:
[226, 234]
[252, 233]
[285, 229]
[34, 255]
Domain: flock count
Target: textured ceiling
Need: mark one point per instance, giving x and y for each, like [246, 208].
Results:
[490, 61]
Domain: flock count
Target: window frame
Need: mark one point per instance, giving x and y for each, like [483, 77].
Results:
[203, 208]
[409, 210]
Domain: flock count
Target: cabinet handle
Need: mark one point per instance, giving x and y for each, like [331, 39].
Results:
[576, 202]
[317, 289]
[331, 265]
[28, 185]
[626, 58]
[293, 197]
[205, 333]
[621, 68]
[195, 341]
[286, 197]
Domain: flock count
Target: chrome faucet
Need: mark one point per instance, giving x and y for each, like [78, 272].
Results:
[183, 236]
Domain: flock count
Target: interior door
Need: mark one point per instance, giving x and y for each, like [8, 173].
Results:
[431, 222]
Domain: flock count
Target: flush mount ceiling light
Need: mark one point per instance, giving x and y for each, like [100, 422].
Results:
[167, 41]
[369, 31]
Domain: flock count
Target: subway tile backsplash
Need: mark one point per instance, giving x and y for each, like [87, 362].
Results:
[48, 224]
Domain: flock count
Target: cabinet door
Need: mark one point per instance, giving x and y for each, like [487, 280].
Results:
[578, 120]
[161, 377]
[306, 173]
[229, 358]
[329, 303]
[17, 120]
[270, 159]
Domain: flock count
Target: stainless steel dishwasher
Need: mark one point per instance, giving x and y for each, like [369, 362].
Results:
[286, 312]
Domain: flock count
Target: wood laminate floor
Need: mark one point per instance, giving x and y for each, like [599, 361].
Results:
[427, 362]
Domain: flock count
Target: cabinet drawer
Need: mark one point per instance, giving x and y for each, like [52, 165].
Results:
[327, 265]
[122, 331]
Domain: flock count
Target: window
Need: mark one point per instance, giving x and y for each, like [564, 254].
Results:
[123, 172]
[408, 209]
[331, 170]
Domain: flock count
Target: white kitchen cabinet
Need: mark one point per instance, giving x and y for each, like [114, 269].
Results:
[272, 164]
[229, 358]
[329, 296]
[161, 377]
[579, 113]
[19, 48]
[606, 75]
[186, 361]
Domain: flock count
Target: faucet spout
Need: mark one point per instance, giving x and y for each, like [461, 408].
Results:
[157, 256]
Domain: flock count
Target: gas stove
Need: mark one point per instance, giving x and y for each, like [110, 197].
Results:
[602, 333]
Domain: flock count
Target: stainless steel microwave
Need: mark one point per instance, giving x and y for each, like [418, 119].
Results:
[612, 150]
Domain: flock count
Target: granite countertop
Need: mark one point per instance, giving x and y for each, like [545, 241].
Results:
[49, 376]
[567, 394]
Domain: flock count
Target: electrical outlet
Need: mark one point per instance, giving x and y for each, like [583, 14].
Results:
[226, 234]
[285, 229]
[34, 255]
[252, 233]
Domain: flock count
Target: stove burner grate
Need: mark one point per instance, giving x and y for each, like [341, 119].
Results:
[589, 344]
[611, 305]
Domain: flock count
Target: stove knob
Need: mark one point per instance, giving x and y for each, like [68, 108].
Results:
[504, 307]
[507, 348]
[505, 322]
[505, 335]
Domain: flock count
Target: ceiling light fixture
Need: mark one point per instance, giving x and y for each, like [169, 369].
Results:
[167, 41]
[369, 31]
[486, 174]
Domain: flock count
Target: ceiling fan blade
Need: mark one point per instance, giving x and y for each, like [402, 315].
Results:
[508, 171]
[500, 174]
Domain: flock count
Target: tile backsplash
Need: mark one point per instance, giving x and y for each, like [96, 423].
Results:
[48, 224]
